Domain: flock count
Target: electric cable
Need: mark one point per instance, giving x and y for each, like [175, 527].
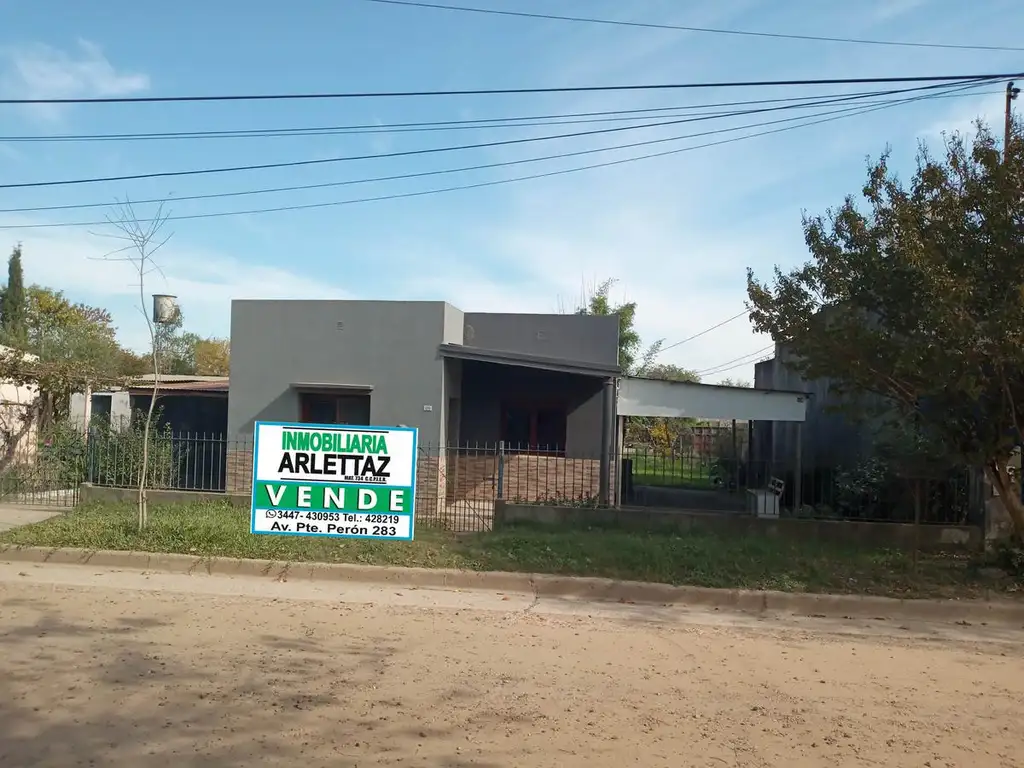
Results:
[519, 91]
[848, 112]
[735, 362]
[744, 313]
[452, 125]
[708, 30]
[377, 156]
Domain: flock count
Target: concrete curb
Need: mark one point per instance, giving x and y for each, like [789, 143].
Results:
[544, 585]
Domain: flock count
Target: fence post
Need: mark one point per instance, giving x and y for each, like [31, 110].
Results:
[501, 469]
[90, 447]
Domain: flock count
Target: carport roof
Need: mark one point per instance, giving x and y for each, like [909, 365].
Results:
[521, 360]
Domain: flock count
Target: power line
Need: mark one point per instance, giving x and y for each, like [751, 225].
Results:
[744, 313]
[409, 152]
[453, 125]
[847, 112]
[520, 91]
[709, 30]
[735, 362]
[446, 171]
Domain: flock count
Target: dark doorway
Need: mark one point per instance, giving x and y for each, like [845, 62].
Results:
[527, 427]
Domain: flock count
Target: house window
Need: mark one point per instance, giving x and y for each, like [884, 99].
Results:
[316, 408]
[534, 428]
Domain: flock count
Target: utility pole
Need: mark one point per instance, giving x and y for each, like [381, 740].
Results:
[1011, 94]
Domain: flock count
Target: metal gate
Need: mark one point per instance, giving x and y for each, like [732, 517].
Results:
[42, 469]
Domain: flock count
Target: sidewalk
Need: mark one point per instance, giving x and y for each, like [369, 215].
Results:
[17, 515]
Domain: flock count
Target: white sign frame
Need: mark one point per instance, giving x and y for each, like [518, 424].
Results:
[293, 496]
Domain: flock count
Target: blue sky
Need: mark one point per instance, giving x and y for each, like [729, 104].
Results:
[677, 232]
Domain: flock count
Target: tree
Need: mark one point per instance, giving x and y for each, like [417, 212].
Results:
[730, 382]
[75, 344]
[176, 349]
[664, 436]
[918, 301]
[670, 372]
[13, 307]
[141, 238]
[213, 357]
[630, 344]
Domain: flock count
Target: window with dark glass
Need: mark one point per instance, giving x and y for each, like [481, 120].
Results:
[317, 408]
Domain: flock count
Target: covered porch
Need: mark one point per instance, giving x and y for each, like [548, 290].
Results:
[527, 426]
[735, 416]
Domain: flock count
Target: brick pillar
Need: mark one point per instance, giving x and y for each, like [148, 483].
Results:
[238, 470]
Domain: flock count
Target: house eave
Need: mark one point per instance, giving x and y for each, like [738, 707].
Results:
[521, 360]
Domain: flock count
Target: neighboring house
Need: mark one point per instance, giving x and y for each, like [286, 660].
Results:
[830, 437]
[543, 385]
[188, 404]
[19, 426]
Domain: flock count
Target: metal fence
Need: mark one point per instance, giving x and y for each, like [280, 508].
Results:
[457, 485]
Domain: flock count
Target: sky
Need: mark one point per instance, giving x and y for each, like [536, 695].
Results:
[677, 232]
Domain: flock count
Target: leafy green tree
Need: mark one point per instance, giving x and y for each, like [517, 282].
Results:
[630, 344]
[13, 306]
[729, 382]
[919, 299]
[176, 349]
[213, 357]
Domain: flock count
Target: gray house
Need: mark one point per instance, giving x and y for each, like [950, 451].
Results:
[542, 384]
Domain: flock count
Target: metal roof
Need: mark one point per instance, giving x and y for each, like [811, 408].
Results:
[500, 357]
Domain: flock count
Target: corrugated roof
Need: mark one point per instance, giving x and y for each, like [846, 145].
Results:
[168, 377]
[209, 384]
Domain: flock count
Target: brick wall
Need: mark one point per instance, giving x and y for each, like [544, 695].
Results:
[238, 470]
[526, 478]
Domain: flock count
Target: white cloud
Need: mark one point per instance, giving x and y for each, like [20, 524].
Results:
[39, 71]
[204, 281]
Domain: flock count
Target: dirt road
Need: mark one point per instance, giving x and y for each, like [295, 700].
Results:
[103, 668]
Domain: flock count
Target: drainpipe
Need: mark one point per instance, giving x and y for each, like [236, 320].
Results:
[607, 440]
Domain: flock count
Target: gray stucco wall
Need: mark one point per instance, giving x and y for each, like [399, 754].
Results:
[391, 346]
[585, 338]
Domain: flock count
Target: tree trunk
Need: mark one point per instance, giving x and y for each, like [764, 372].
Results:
[1009, 496]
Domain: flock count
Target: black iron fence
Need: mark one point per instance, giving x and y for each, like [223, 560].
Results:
[457, 485]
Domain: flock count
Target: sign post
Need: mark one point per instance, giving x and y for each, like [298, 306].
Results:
[337, 481]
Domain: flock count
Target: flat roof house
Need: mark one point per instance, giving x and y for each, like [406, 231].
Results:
[543, 384]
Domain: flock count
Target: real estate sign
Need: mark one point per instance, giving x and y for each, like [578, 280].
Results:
[338, 481]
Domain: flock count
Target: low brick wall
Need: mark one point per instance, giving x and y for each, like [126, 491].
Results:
[89, 494]
[935, 538]
[526, 477]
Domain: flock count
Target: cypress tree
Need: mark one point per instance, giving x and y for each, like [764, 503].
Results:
[13, 309]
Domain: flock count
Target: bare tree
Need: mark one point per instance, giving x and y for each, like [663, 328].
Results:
[142, 238]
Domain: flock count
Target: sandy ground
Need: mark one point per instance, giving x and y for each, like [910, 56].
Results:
[102, 668]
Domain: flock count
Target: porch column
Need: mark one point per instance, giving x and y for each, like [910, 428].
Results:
[607, 441]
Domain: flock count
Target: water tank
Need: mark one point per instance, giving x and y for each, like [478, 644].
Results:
[165, 308]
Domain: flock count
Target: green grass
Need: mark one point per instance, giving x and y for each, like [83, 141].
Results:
[696, 559]
[671, 473]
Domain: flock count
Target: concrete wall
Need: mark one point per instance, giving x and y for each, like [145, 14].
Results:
[390, 346]
[95, 494]
[889, 535]
[585, 338]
